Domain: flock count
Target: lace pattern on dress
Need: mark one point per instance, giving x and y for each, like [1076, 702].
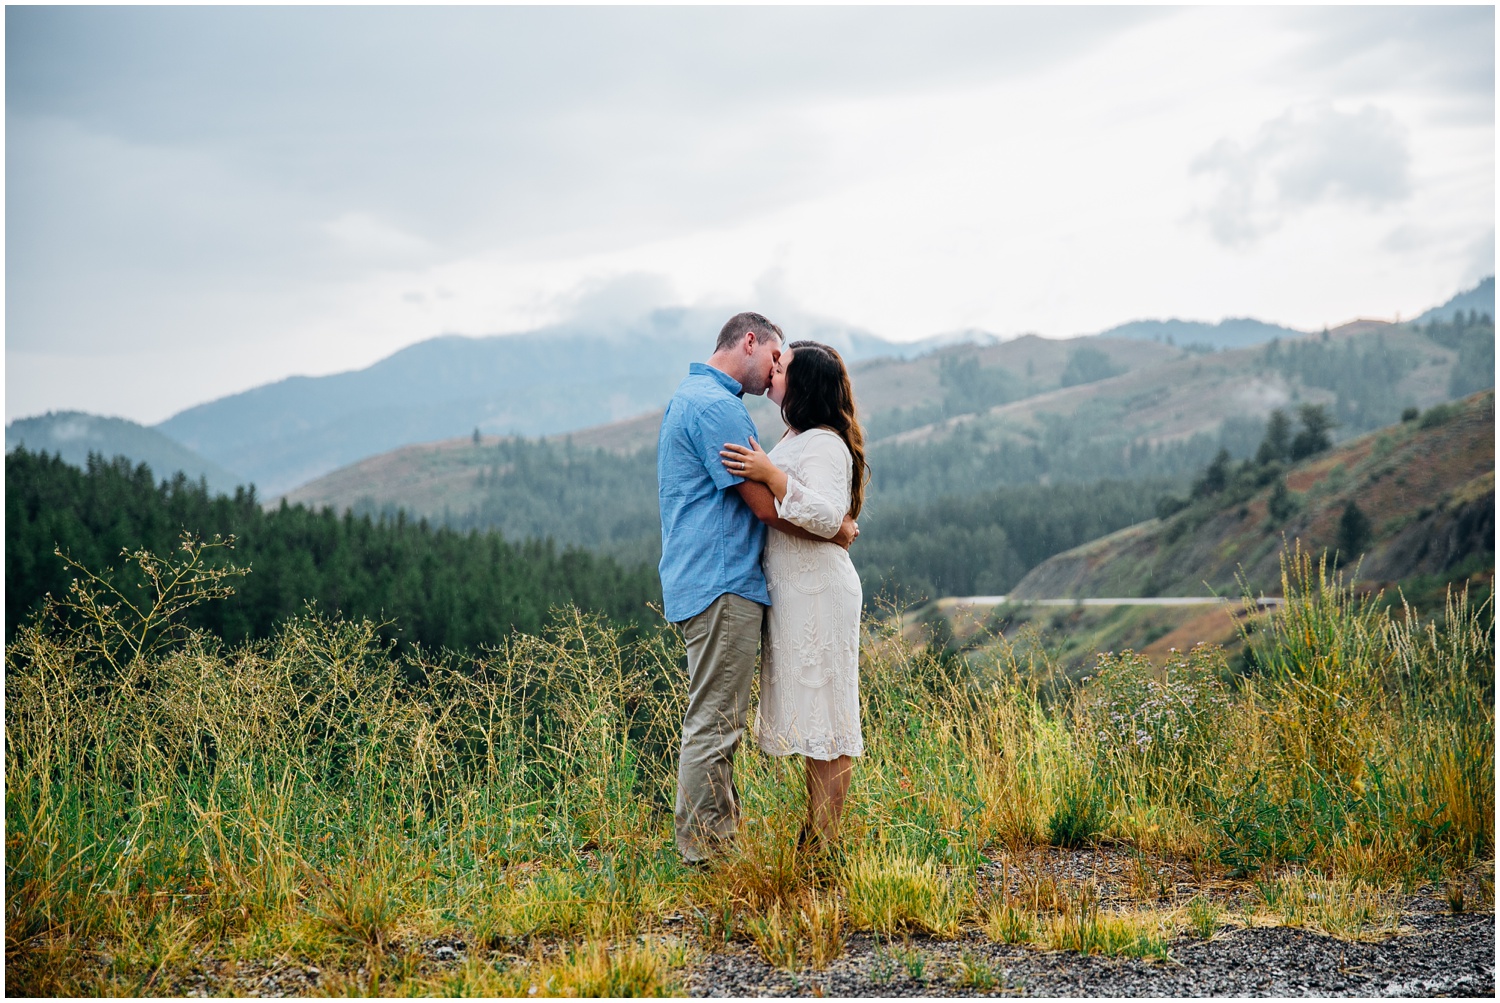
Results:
[809, 702]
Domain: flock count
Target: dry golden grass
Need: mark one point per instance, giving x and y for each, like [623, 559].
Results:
[170, 800]
[1339, 906]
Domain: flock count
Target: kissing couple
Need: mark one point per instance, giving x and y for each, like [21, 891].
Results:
[755, 556]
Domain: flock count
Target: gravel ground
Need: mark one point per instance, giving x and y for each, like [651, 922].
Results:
[1436, 954]
[1433, 952]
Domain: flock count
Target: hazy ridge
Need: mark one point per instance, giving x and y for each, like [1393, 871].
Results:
[74, 435]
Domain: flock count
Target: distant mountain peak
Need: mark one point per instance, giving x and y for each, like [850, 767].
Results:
[1480, 299]
[1231, 332]
[73, 435]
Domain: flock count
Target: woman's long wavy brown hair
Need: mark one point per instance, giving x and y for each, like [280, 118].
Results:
[819, 395]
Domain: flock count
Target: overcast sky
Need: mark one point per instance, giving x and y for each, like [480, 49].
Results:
[201, 200]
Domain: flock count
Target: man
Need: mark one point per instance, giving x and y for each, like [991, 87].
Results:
[712, 532]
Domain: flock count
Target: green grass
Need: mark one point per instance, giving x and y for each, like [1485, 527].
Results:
[170, 799]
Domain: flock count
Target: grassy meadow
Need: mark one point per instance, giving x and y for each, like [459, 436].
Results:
[174, 804]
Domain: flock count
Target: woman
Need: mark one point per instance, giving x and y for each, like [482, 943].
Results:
[809, 675]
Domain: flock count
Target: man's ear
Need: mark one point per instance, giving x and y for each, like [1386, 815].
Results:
[749, 342]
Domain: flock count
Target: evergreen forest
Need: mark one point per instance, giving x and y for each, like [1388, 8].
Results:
[1364, 373]
[432, 586]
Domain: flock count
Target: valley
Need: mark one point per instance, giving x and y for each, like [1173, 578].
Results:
[989, 464]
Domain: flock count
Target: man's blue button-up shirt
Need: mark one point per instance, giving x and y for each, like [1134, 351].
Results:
[710, 540]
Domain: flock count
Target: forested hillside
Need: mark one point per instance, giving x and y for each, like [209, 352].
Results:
[1375, 378]
[1415, 499]
[433, 586]
[985, 535]
[985, 543]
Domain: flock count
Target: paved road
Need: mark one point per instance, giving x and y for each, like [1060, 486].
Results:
[1151, 601]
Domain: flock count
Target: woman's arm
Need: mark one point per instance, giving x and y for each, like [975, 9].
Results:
[819, 500]
[760, 500]
[796, 508]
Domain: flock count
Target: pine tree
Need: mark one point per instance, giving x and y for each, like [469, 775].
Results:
[1354, 532]
[1314, 437]
[1280, 505]
[1215, 476]
[1277, 445]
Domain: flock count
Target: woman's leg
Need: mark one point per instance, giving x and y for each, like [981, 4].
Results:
[827, 786]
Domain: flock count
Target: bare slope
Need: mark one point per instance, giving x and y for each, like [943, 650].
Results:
[1188, 394]
[1427, 487]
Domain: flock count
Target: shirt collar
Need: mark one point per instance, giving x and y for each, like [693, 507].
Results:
[725, 380]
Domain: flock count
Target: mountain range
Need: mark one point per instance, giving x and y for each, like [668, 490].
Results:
[557, 379]
[1479, 300]
[453, 476]
[953, 437]
[1234, 332]
[581, 377]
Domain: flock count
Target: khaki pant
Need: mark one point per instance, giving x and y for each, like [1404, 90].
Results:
[722, 643]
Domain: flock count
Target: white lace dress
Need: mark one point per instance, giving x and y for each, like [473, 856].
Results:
[809, 670]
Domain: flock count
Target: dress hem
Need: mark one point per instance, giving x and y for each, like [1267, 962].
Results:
[784, 752]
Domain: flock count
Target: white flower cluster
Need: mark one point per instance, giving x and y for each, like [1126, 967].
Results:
[1166, 713]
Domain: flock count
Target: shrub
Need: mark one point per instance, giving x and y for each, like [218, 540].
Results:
[1280, 505]
[1439, 414]
[1255, 830]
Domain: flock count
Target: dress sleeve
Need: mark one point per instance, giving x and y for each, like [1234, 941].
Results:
[818, 499]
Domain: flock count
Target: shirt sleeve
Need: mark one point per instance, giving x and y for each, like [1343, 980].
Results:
[721, 422]
[818, 500]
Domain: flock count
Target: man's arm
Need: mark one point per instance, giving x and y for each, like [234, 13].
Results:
[763, 504]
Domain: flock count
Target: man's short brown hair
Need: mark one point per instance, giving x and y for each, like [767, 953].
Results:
[741, 324]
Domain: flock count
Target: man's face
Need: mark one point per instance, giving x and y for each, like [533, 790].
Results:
[762, 363]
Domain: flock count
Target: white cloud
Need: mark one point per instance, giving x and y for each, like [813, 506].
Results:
[182, 224]
[1481, 261]
[1299, 159]
[365, 235]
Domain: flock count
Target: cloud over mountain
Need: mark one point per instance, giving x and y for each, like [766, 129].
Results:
[1299, 159]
